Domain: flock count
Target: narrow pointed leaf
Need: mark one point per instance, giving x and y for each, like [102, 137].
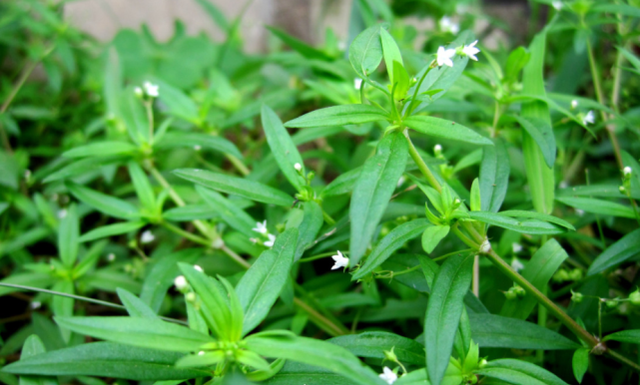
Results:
[339, 116]
[624, 249]
[445, 129]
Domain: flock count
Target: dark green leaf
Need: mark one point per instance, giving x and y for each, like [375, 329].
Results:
[432, 236]
[624, 249]
[339, 116]
[542, 133]
[526, 226]
[230, 213]
[105, 203]
[373, 345]
[598, 206]
[111, 230]
[518, 372]
[446, 129]
[494, 176]
[68, 234]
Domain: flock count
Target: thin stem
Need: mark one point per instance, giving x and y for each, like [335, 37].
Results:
[186, 234]
[149, 108]
[235, 257]
[414, 99]
[475, 286]
[81, 298]
[238, 165]
[422, 166]
[320, 320]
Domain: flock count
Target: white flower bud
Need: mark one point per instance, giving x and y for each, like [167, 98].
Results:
[297, 166]
[180, 282]
[485, 248]
[198, 268]
[627, 171]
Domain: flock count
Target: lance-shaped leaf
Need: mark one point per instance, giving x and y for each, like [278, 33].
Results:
[236, 186]
[135, 306]
[314, 352]
[443, 312]
[106, 359]
[494, 176]
[599, 206]
[104, 203]
[68, 234]
[542, 133]
[631, 336]
[308, 230]
[230, 213]
[111, 230]
[625, 248]
[526, 226]
[282, 147]
[365, 52]
[373, 190]
[141, 332]
[340, 116]
[142, 186]
[299, 46]
[192, 139]
[32, 347]
[101, 149]
[446, 129]
[373, 345]
[490, 330]
[514, 371]
[261, 285]
[390, 243]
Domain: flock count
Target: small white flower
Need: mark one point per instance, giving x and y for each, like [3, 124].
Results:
[217, 243]
[197, 147]
[341, 261]
[471, 50]
[261, 227]
[517, 265]
[36, 305]
[198, 268]
[297, 166]
[563, 184]
[27, 174]
[574, 104]
[516, 247]
[590, 117]
[443, 57]
[388, 375]
[62, 213]
[147, 237]
[357, 83]
[437, 148]
[138, 92]
[400, 182]
[485, 247]
[342, 45]
[557, 5]
[580, 212]
[180, 282]
[201, 353]
[627, 171]
[272, 239]
[111, 257]
[151, 89]
[447, 25]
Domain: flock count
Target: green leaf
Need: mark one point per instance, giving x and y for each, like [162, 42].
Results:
[432, 237]
[101, 149]
[140, 332]
[516, 61]
[33, 346]
[192, 139]
[230, 213]
[216, 15]
[373, 190]
[200, 360]
[623, 9]
[630, 336]
[189, 213]
[526, 226]
[580, 363]
[294, 373]
[105, 359]
[236, 186]
[542, 133]
[391, 53]
[314, 352]
[143, 188]
[494, 176]
[63, 306]
[373, 345]
[389, 244]
[490, 330]
[299, 46]
[538, 271]
[135, 306]
[343, 184]
[134, 116]
[282, 147]
[442, 128]
[68, 234]
[365, 52]
[261, 285]
[111, 230]
[339, 116]
[178, 104]
[519, 372]
[539, 174]
[537, 215]
[622, 250]
[598, 206]
[309, 228]
[443, 312]
[83, 166]
[106, 204]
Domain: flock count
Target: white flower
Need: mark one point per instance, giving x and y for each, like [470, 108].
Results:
[151, 89]
[261, 227]
[400, 181]
[357, 83]
[437, 148]
[197, 147]
[341, 261]
[201, 353]
[447, 25]
[574, 104]
[111, 257]
[297, 166]
[590, 117]
[580, 212]
[471, 50]
[517, 265]
[180, 282]
[627, 171]
[388, 375]
[62, 213]
[557, 5]
[36, 305]
[272, 239]
[147, 237]
[198, 268]
[138, 92]
[443, 57]
[485, 247]
[516, 247]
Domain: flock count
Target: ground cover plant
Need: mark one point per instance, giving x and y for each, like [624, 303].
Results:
[184, 212]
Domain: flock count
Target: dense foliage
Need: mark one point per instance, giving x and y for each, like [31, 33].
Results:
[450, 215]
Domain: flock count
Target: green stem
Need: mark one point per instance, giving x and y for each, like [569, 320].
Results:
[422, 166]
[238, 165]
[186, 234]
[149, 108]
[414, 100]
[323, 322]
